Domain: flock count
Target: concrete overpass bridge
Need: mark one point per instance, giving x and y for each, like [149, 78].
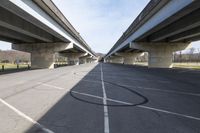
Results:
[163, 27]
[39, 27]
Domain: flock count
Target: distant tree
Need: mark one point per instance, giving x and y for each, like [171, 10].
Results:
[5, 61]
[12, 56]
[191, 52]
[198, 56]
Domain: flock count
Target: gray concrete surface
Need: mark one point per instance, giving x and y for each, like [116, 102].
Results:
[70, 100]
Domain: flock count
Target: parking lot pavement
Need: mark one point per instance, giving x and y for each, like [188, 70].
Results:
[100, 98]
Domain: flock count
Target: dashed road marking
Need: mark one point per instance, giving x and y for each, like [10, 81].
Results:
[168, 91]
[141, 106]
[52, 86]
[106, 116]
[171, 91]
[85, 94]
[25, 116]
[153, 89]
[169, 112]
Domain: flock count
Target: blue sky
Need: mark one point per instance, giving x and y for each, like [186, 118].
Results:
[100, 22]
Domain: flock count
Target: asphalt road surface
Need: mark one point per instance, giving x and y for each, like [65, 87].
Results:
[100, 98]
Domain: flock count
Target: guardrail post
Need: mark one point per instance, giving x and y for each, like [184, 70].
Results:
[29, 66]
[2, 67]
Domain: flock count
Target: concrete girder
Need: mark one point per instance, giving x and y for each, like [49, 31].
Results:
[13, 22]
[160, 54]
[172, 7]
[31, 12]
[185, 35]
[178, 15]
[28, 18]
[13, 36]
[7, 39]
[191, 39]
[184, 24]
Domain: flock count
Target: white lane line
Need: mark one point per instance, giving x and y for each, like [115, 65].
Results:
[52, 86]
[25, 116]
[171, 91]
[106, 117]
[141, 106]
[85, 94]
[169, 112]
[154, 89]
[143, 80]
[98, 97]
[168, 91]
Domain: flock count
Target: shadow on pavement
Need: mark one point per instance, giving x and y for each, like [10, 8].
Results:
[75, 113]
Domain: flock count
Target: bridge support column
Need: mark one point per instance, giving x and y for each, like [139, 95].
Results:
[42, 59]
[75, 58]
[42, 54]
[89, 60]
[83, 60]
[107, 60]
[129, 58]
[116, 59]
[160, 54]
[160, 57]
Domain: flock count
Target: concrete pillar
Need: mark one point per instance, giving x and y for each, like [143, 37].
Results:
[89, 60]
[116, 59]
[83, 60]
[75, 58]
[160, 54]
[86, 59]
[129, 57]
[129, 60]
[160, 57]
[42, 54]
[42, 59]
[109, 60]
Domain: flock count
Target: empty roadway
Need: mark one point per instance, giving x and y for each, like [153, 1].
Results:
[73, 99]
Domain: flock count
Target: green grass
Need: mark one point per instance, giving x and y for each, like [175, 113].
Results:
[8, 66]
[177, 65]
[186, 66]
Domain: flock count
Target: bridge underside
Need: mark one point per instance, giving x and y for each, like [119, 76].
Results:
[161, 39]
[181, 29]
[17, 29]
[39, 28]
